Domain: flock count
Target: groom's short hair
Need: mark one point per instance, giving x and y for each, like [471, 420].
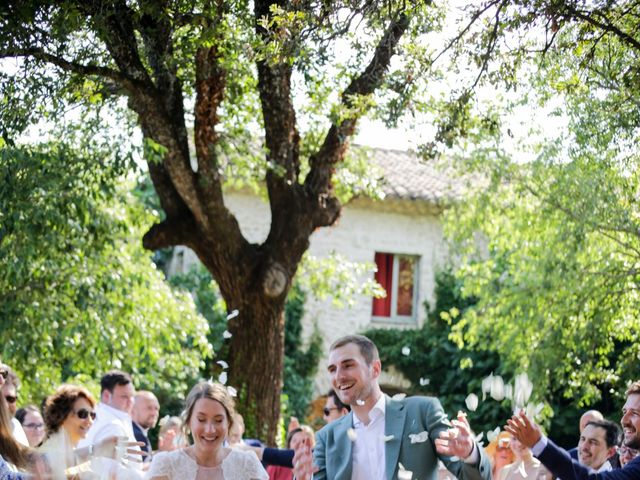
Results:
[367, 348]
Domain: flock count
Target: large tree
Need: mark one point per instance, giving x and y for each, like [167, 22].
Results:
[213, 88]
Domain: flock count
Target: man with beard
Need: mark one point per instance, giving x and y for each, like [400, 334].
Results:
[144, 416]
[558, 460]
[382, 438]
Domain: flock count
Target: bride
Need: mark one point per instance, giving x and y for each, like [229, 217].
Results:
[208, 415]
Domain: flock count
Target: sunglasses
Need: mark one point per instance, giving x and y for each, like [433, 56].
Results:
[83, 413]
[10, 398]
[327, 410]
[4, 374]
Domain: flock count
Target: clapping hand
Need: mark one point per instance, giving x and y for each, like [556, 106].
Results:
[456, 441]
[302, 459]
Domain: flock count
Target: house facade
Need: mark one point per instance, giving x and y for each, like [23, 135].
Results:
[401, 234]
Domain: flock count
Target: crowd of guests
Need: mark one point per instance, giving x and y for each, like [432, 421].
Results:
[73, 435]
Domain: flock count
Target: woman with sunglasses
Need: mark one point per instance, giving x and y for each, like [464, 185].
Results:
[68, 414]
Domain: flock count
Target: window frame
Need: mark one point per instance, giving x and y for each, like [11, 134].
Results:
[393, 316]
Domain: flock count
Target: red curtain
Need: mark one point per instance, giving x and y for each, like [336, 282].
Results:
[384, 276]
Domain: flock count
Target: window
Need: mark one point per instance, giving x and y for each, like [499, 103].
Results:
[398, 275]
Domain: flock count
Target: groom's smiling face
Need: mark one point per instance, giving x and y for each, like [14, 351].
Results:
[351, 377]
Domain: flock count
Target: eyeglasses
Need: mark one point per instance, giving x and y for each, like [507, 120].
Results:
[11, 398]
[4, 373]
[34, 426]
[327, 410]
[83, 413]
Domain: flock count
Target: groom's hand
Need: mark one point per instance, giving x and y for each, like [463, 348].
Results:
[456, 441]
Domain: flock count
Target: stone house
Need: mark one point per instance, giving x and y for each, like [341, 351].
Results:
[401, 234]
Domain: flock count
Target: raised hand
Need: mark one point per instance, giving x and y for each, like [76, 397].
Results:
[302, 459]
[458, 440]
[527, 432]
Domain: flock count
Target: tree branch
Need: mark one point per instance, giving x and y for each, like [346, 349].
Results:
[318, 181]
[75, 67]
[607, 27]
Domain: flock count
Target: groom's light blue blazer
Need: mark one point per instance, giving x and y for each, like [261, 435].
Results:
[412, 415]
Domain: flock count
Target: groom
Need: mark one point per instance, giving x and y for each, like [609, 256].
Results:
[382, 437]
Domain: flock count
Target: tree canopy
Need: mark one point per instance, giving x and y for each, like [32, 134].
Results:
[79, 294]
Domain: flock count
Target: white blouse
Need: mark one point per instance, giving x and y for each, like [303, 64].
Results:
[178, 465]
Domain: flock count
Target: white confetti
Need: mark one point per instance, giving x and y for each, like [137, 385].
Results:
[387, 438]
[359, 402]
[233, 314]
[479, 436]
[424, 381]
[404, 474]
[486, 386]
[419, 437]
[446, 421]
[399, 396]
[497, 388]
[227, 334]
[522, 390]
[351, 433]
[222, 378]
[493, 434]
[223, 364]
[472, 402]
[454, 459]
[406, 351]
[232, 391]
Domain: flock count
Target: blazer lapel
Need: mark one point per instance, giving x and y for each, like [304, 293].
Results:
[394, 416]
[344, 445]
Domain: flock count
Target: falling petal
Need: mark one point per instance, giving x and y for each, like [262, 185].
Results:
[351, 433]
[232, 391]
[493, 434]
[233, 314]
[472, 402]
[399, 396]
[486, 386]
[479, 436]
[406, 351]
[424, 381]
[446, 421]
[419, 437]
[508, 391]
[388, 438]
[223, 364]
[455, 459]
[522, 390]
[227, 334]
[359, 402]
[404, 474]
[497, 388]
[222, 378]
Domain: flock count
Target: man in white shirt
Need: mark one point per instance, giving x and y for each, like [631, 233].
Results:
[598, 442]
[113, 413]
[382, 438]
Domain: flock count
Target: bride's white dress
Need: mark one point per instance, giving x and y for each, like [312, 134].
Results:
[178, 465]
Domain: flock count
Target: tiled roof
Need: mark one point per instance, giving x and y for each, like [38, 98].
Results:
[407, 176]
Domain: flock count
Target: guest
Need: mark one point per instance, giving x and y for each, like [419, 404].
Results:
[10, 394]
[146, 409]
[526, 465]
[208, 415]
[170, 436]
[626, 454]
[68, 416]
[14, 457]
[32, 423]
[500, 453]
[294, 437]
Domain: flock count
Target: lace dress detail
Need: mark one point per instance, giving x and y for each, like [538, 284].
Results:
[178, 465]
